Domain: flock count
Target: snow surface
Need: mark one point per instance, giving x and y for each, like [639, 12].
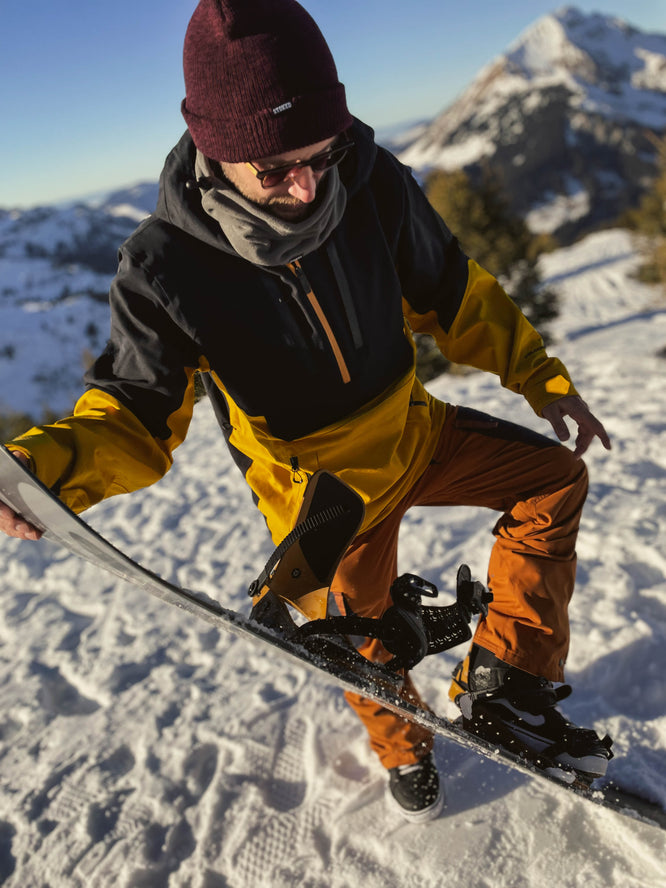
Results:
[140, 747]
[558, 209]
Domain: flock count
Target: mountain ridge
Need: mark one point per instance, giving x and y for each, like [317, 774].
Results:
[569, 110]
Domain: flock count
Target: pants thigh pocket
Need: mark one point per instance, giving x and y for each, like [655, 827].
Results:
[468, 419]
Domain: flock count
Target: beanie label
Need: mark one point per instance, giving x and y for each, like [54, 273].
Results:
[285, 106]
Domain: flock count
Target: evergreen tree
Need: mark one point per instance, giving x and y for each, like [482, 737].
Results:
[479, 216]
[650, 221]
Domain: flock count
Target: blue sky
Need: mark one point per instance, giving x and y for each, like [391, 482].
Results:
[91, 91]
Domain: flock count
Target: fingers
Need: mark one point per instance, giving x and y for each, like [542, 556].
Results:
[560, 428]
[583, 441]
[555, 416]
[602, 435]
[589, 426]
[14, 525]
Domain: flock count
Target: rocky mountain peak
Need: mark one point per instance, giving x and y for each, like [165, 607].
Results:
[548, 46]
[596, 50]
[564, 115]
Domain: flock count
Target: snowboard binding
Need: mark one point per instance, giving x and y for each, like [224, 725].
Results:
[301, 569]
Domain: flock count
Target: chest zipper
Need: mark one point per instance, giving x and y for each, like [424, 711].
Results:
[295, 267]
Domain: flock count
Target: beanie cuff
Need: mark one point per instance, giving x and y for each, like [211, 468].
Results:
[296, 123]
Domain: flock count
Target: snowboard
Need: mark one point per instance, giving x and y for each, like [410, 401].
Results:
[328, 521]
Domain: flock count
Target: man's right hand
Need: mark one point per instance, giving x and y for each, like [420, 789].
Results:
[11, 523]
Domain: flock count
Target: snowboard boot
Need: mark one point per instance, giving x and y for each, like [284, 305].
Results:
[415, 792]
[518, 711]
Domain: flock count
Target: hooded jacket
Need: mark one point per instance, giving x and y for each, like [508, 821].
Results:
[310, 365]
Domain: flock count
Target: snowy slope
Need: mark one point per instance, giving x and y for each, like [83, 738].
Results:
[140, 748]
[56, 264]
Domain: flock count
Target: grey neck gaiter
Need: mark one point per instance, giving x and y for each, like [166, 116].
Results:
[260, 237]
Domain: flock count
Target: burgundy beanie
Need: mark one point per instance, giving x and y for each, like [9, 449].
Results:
[259, 80]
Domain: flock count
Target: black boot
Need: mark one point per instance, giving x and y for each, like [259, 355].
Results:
[415, 790]
[518, 711]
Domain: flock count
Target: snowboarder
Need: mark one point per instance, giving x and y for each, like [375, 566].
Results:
[289, 260]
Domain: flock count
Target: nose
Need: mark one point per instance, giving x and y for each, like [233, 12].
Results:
[302, 184]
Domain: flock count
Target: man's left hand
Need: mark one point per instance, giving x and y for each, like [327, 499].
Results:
[589, 426]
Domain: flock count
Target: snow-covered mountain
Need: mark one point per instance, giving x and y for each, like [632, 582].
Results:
[565, 115]
[56, 263]
[134, 202]
[401, 135]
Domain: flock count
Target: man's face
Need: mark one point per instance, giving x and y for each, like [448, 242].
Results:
[291, 199]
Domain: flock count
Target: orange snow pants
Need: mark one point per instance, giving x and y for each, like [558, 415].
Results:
[540, 489]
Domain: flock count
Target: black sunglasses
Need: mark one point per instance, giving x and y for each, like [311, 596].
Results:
[319, 163]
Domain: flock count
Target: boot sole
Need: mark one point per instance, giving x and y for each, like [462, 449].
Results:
[495, 730]
[424, 815]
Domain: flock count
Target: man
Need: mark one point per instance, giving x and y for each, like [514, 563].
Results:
[289, 260]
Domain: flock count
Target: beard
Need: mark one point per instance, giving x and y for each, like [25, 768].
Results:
[286, 207]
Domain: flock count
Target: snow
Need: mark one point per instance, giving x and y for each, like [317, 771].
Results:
[140, 747]
[608, 70]
[653, 75]
[450, 157]
[546, 47]
[41, 361]
[615, 70]
[558, 209]
[127, 211]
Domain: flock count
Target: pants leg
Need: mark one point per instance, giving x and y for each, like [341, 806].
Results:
[540, 489]
[363, 579]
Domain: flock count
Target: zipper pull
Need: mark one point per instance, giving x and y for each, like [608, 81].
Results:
[296, 474]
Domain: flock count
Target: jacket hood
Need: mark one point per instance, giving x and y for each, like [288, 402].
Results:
[179, 199]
